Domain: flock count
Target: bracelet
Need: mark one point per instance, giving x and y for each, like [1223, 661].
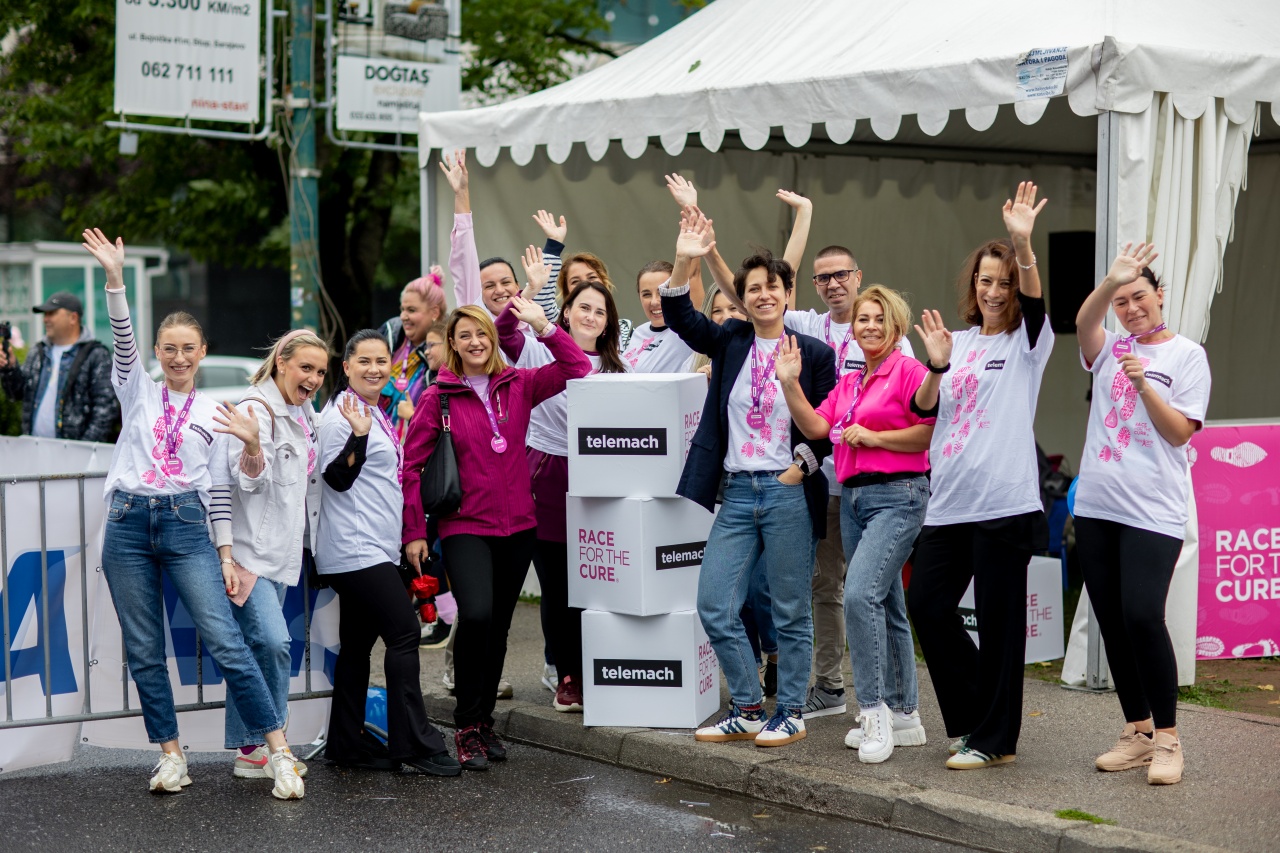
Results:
[229, 560]
[1028, 266]
[938, 370]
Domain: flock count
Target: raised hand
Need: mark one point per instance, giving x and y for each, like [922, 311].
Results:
[243, 425]
[1020, 212]
[683, 191]
[530, 312]
[795, 200]
[110, 255]
[536, 272]
[455, 170]
[787, 367]
[547, 222]
[1128, 265]
[357, 413]
[936, 337]
[693, 230]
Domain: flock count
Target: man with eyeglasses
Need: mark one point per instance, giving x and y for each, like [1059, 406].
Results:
[64, 385]
[836, 277]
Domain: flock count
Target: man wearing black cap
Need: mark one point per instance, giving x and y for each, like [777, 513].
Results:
[65, 384]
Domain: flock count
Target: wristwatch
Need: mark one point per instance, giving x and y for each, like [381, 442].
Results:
[806, 460]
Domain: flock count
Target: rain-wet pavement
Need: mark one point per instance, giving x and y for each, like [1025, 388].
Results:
[538, 800]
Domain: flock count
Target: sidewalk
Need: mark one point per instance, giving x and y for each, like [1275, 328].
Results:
[1228, 798]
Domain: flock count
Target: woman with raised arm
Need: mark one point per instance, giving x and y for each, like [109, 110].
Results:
[985, 519]
[1150, 394]
[421, 307]
[882, 459]
[489, 541]
[358, 553]
[266, 517]
[591, 319]
[774, 499]
[165, 463]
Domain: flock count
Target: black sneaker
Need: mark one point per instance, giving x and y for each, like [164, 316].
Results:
[434, 636]
[771, 678]
[494, 748]
[441, 764]
[471, 748]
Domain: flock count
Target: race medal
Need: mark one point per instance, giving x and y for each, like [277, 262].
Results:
[755, 419]
[837, 434]
[1122, 347]
[498, 443]
[401, 383]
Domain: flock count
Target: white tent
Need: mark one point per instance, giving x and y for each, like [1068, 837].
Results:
[864, 106]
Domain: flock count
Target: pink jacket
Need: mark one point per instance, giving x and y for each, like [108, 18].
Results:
[885, 404]
[497, 498]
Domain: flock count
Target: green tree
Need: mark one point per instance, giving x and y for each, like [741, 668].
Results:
[225, 201]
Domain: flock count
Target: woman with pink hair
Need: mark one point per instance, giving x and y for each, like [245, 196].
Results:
[421, 307]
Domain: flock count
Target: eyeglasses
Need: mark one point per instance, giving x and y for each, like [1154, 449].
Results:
[841, 276]
[170, 351]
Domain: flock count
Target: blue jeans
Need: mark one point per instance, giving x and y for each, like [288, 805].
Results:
[879, 524]
[757, 614]
[267, 634]
[149, 535]
[760, 516]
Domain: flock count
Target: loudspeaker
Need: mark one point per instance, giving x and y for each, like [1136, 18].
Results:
[1070, 277]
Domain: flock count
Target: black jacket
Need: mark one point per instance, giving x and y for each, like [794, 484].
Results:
[729, 346]
[87, 408]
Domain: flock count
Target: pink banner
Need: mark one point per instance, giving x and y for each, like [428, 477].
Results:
[1236, 476]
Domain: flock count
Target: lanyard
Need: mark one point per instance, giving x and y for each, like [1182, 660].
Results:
[387, 430]
[838, 428]
[498, 443]
[843, 349]
[761, 376]
[1124, 346]
[171, 430]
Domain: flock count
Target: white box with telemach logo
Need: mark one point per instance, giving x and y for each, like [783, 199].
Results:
[1044, 610]
[629, 433]
[654, 671]
[639, 556]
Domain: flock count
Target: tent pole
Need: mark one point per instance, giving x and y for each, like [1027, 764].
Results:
[1096, 672]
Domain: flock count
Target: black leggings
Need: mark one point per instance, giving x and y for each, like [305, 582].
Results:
[373, 604]
[561, 624]
[1127, 572]
[979, 688]
[485, 574]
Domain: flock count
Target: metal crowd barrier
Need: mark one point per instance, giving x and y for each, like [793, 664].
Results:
[88, 713]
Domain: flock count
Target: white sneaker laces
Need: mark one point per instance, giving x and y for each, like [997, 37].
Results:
[871, 726]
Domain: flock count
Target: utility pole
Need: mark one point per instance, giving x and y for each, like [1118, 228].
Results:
[304, 202]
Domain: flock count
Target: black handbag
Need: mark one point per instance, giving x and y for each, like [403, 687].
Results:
[441, 487]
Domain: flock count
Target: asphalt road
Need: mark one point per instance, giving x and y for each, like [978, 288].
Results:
[538, 800]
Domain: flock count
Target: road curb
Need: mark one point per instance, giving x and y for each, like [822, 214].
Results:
[771, 776]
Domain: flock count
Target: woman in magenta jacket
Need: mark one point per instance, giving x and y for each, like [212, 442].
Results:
[488, 543]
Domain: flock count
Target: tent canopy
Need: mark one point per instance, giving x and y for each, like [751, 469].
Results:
[752, 65]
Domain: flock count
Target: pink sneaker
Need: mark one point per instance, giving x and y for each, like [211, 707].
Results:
[1132, 750]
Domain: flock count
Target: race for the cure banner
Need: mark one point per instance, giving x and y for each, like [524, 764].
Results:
[1235, 471]
[188, 58]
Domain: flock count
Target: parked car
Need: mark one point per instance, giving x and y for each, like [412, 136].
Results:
[225, 378]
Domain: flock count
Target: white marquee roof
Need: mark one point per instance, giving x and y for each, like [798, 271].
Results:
[752, 65]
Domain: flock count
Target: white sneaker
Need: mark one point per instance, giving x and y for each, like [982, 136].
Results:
[907, 731]
[281, 766]
[877, 734]
[550, 678]
[254, 765]
[732, 726]
[448, 680]
[170, 774]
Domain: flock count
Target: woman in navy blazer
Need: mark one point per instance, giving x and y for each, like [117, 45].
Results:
[775, 495]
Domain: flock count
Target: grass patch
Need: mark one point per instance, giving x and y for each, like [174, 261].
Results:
[1076, 814]
[531, 599]
[1210, 693]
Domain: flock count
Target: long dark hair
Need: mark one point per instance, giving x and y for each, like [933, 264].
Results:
[608, 340]
[343, 383]
[966, 283]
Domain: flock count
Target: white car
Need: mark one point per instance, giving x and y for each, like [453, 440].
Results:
[225, 378]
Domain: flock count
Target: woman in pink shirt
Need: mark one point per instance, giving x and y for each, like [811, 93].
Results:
[881, 443]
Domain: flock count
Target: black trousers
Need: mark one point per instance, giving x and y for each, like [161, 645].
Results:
[1127, 572]
[373, 604]
[485, 574]
[979, 688]
[561, 624]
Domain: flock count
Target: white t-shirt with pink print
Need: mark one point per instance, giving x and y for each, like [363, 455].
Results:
[651, 351]
[983, 452]
[1129, 474]
[768, 447]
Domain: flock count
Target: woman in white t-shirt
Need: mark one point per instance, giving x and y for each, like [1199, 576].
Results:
[654, 347]
[165, 463]
[1150, 393]
[984, 519]
[590, 317]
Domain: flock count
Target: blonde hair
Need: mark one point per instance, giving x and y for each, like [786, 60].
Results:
[897, 313]
[590, 260]
[286, 346]
[453, 359]
[701, 360]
